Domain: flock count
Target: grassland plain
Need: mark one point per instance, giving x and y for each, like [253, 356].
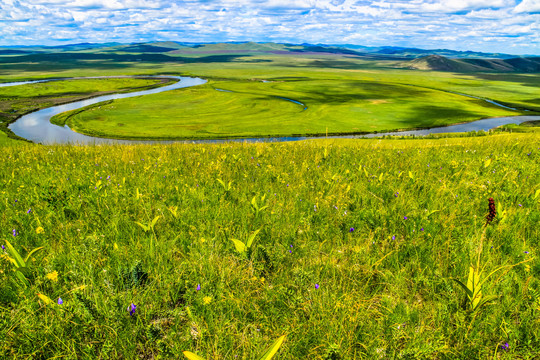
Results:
[21, 99]
[253, 108]
[358, 247]
[344, 94]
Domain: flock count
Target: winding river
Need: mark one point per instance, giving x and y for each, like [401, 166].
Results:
[36, 126]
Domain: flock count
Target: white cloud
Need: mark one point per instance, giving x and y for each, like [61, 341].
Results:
[528, 6]
[417, 23]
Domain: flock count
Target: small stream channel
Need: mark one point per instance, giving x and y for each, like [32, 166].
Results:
[37, 127]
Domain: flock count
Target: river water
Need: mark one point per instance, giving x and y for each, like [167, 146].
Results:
[37, 127]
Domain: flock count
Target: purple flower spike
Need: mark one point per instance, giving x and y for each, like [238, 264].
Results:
[131, 309]
[316, 286]
[60, 301]
[198, 287]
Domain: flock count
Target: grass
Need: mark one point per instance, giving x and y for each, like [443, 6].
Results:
[358, 247]
[22, 99]
[253, 109]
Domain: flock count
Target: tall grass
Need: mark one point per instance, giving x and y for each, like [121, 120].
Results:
[358, 247]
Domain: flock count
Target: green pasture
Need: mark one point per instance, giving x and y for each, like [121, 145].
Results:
[253, 108]
[357, 247]
[21, 99]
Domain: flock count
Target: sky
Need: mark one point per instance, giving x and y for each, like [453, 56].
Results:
[507, 26]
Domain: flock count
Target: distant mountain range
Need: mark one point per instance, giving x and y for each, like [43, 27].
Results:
[412, 58]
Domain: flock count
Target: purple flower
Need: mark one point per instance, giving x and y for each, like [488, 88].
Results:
[290, 251]
[526, 252]
[198, 287]
[316, 286]
[520, 205]
[30, 210]
[3, 247]
[291, 246]
[422, 229]
[15, 233]
[393, 237]
[351, 229]
[131, 309]
[60, 301]
[404, 218]
[505, 346]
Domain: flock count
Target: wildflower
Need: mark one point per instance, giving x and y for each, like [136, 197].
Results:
[492, 211]
[207, 300]
[393, 237]
[131, 308]
[422, 229]
[198, 287]
[526, 252]
[520, 205]
[60, 301]
[405, 218]
[15, 233]
[29, 211]
[53, 276]
[505, 346]
[3, 247]
[351, 229]
[40, 230]
[316, 286]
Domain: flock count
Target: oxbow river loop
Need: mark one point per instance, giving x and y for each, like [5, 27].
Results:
[36, 126]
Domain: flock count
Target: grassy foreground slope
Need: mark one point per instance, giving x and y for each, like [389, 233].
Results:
[359, 242]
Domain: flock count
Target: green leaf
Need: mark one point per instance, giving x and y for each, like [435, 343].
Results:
[155, 221]
[381, 177]
[273, 349]
[192, 356]
[32, 252]
[411, 175]
[144, 227]
[240, 246]
[19, 262]
[251, 238]
[487, 163]
[467, 291]
[536, 194]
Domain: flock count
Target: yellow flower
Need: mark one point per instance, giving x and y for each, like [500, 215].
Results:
[40, 230]
[207, 300]
[52, 276]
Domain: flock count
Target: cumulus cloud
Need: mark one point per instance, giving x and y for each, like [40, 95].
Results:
[528, 6]
[485, 24]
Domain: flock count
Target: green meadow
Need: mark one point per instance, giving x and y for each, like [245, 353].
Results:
[356, 249]
[351, 249]
[22, 99]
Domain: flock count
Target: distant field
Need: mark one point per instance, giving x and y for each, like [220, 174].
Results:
[251, 108]
[21, 99]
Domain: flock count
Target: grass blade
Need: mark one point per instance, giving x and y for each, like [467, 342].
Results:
[273, 349]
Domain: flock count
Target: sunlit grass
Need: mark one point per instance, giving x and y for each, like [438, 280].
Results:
[358, 247]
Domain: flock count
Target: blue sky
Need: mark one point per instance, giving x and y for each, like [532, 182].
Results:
[510, 26]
